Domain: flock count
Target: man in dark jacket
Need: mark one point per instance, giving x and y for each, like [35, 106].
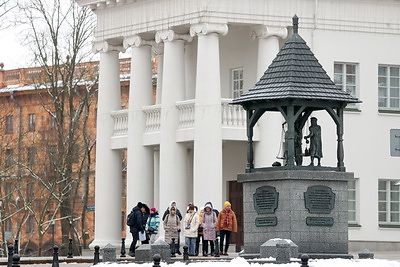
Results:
[134, 221]
[145, 215]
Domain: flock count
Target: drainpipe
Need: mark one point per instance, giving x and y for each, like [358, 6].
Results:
[19, 133]
[18, 146]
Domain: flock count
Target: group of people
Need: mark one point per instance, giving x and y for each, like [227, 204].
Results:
[203, 225]
[143, 224]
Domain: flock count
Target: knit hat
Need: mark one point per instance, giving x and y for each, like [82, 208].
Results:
[227, 203]
[153, 209]
[208, 205]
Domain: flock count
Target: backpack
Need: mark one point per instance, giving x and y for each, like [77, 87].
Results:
[130, 220]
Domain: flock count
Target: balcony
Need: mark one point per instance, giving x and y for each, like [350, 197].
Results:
[233, 122]
[119, 140]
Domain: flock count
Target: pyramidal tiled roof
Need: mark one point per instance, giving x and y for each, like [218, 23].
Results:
[295, 73]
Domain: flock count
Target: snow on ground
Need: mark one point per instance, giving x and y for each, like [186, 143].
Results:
[240, 262]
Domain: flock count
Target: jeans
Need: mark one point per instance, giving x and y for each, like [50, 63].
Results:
[135, 238]
[191, 244]
[178, 243]
[222, 235]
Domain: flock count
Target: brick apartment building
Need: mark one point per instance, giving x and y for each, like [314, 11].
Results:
[27, 147]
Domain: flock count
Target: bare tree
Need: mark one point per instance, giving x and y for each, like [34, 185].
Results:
[59, 34]
[5, 7]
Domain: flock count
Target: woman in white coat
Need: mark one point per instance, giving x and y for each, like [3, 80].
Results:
[191, 225]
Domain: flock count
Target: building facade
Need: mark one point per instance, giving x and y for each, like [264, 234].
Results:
[191, 143]
[28, 156]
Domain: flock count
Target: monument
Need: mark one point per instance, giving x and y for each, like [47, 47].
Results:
[306, 204]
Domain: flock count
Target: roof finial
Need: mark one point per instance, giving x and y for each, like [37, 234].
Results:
[295, 24]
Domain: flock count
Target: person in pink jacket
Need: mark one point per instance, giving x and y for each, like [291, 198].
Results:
[209, 223]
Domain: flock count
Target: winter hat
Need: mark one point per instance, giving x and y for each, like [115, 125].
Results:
[209, 202]
[172, 202]
[153, 209]
[227, 203]
[208, 205]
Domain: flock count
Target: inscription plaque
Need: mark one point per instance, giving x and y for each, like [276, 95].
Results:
[319, 199]
[265, 200]
[319, 221]
[266, 221]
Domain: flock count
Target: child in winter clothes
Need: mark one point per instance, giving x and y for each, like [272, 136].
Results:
[191, 223]
[153, 221]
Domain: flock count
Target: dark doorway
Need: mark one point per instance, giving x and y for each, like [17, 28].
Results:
[236, 199]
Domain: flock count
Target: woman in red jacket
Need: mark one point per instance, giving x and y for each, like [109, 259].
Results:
[227, 224]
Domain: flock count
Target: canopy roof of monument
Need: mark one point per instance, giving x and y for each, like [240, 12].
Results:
[295, 73]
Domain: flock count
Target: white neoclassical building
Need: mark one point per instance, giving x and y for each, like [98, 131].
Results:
[190, 144]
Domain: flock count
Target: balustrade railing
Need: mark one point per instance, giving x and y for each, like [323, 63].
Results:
[120, 122]
[186, 114]
[232, 115]
[153, 118]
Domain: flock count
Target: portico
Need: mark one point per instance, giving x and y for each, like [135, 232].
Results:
[176, 144]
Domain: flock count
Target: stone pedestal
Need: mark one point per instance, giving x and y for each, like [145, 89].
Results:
[308, 207]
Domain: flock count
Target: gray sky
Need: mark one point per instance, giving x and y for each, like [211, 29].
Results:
[12, 54]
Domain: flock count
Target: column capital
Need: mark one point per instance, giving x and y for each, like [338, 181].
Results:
[105, 46]
[207, 28]
[170, 35]
[158, 49]
[136, 41]
[263, 31]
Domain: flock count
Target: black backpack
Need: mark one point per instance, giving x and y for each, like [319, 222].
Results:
[130, 220]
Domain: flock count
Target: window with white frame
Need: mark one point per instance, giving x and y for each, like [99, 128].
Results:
[237, 82]
[388, 87]
[388, 202]
[345, 78]
[352, 195]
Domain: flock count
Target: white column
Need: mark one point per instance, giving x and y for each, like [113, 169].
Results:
[108, 189]
[173, 179]
[270, 124]
[140, 171]
[207, 177]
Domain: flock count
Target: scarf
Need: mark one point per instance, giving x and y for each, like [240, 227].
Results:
[227, 220]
